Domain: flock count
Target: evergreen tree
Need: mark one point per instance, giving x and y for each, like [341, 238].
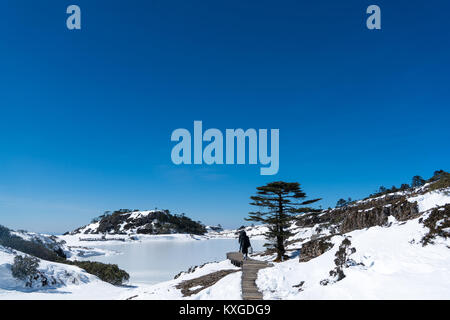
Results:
[404, 186]
[417, 181]
[341, 203]
[281, 203]
[438, 174]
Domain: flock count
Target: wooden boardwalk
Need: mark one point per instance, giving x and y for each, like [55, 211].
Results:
[250, 270]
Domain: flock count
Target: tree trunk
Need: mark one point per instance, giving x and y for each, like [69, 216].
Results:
[280, 249]
[280, 240]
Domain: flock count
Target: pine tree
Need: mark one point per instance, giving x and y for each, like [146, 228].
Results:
[280, 202]
[438, 174]
[341, 203]
[404, 186]
[417, 181]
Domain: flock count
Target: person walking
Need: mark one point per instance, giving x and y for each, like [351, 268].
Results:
[244, 245]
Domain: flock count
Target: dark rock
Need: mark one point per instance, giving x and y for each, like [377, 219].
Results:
[315, 248]
[438, 223]
[356, 219]
[202, 282]
[299, 286]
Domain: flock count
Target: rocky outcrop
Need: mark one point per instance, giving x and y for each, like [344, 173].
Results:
[357, 219]
[361, 215]
[315, 248]
[438, 224]
[400, 208]
[405, 210]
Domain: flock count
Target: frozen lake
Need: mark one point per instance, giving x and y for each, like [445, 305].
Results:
[155, 261]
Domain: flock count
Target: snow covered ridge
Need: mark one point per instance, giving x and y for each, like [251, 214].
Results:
[376, 211]
[60, 246]
[127, 222]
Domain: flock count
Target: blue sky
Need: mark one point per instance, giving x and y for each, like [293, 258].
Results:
[86, 116]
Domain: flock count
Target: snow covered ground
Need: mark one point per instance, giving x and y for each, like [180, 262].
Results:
[228, 288]
[394, 267]
[431, 199]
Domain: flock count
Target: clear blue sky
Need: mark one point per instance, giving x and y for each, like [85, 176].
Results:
[86, 116]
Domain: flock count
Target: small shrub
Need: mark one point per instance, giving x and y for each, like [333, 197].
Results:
[25, 268]
[342, 261]
[110, 273]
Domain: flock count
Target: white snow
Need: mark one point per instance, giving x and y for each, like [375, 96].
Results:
[140, 214]
[431, 199]
[393, 268]
[227, 288]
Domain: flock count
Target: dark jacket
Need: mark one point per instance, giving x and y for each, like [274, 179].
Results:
[242, 234]
[245, 244]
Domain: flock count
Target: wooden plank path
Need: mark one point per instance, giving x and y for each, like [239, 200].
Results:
[250, 270]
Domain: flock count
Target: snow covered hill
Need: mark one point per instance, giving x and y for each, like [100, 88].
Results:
[127, 222]
[60, 246]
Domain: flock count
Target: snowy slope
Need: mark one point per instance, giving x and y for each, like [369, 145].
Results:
[393, 268]
[390, 262]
